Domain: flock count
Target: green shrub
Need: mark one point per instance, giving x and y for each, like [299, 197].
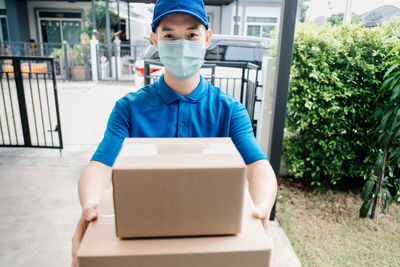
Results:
[334, 90]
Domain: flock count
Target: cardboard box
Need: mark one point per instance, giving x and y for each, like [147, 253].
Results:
[100, 247]
[178, 187]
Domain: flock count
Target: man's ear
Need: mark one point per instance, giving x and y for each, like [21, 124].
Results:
[154, 39]
[208, 37]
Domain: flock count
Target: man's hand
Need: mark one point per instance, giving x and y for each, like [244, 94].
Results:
[94, 179]
[262, 188]
[89, 214]
[262, 213]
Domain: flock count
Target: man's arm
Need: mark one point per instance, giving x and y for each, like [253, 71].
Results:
[263, 188]
[94, 179]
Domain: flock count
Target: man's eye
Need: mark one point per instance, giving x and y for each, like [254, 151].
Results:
[168, 36]
[192, 35]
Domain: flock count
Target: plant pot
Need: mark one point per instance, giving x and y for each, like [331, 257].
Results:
[77, 73]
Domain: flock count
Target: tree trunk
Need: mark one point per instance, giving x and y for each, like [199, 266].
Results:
[379, 206]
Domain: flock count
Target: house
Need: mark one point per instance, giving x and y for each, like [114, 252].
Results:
[371, 18]
[376, 16]
[254, 17]
[57, 21]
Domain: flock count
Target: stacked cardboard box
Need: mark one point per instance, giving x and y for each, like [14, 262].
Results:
[172, 188]
[100, 246]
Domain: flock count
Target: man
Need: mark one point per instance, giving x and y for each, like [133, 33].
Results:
[180, 104]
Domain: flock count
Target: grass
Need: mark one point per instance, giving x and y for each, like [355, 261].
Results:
[325, 228]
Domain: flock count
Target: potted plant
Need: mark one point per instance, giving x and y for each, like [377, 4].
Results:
[76, 61]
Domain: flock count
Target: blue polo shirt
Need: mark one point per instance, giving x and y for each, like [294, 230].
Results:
[158, 111]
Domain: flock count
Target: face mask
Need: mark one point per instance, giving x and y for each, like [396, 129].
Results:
[182, 58]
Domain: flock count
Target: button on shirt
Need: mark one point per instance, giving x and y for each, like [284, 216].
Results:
[156, 110]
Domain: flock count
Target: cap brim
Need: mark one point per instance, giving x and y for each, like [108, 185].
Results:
[182, 11]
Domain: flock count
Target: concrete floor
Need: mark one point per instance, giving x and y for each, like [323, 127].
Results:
[38, 193]
[39, 205]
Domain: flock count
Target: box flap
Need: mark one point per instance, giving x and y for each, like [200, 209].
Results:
[173, 153]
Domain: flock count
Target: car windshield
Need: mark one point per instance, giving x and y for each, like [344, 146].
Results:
[237, 53]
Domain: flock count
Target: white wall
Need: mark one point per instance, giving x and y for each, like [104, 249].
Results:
[264, 11]
[33, 23]
[2, 4]
[254, 8]
[216, 12]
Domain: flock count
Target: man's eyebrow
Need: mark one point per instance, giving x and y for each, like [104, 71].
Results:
[165, 29]
[192, 27]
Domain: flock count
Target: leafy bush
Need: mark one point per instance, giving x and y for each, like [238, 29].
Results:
[334, 90]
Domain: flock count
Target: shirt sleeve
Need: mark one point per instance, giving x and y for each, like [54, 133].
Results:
[241, 132]
[118, 127]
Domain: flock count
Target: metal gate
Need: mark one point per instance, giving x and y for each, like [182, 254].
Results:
[29, 113]
[116, 62]
[72, 62]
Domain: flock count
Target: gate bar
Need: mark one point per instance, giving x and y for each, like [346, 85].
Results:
[58, 126]
[21, 101]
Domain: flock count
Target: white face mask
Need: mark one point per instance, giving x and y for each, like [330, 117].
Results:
[182, 58]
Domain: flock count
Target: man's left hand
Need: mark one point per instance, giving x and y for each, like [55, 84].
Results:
[261, 212]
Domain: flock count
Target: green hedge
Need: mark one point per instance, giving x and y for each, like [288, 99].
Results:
[335, 82]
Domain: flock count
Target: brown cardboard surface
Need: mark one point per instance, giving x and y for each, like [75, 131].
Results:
[100, 247]
[178, 187]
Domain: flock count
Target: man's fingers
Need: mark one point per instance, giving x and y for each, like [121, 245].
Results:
[77, 238]
[91, 215]
[260, 213]
[263, 215]
[267, 227]
[256, 214]
[80, 227]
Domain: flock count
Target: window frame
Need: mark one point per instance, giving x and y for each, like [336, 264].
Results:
[1, 28]
[60, 20]
[261, 24]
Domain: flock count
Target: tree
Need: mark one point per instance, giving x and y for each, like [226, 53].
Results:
[336, 19]
[101, 21]
[303, 12]
[356, 19]
[376, 192]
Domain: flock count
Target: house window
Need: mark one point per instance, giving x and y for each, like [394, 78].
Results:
[4, 36]
[260, 26]
[236, 27]
[210, 18]
[56, 27]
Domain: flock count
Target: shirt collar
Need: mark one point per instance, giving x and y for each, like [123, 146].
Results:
[169, 95]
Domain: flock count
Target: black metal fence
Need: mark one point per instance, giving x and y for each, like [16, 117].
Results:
[238, 79]
[72, 62]
[29, 113]
[117, 62]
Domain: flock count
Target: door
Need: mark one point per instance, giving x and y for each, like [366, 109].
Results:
[57, 31]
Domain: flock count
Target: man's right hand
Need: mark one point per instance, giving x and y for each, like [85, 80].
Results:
[89, 214]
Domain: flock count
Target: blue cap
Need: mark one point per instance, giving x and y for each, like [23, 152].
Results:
[194, 8]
